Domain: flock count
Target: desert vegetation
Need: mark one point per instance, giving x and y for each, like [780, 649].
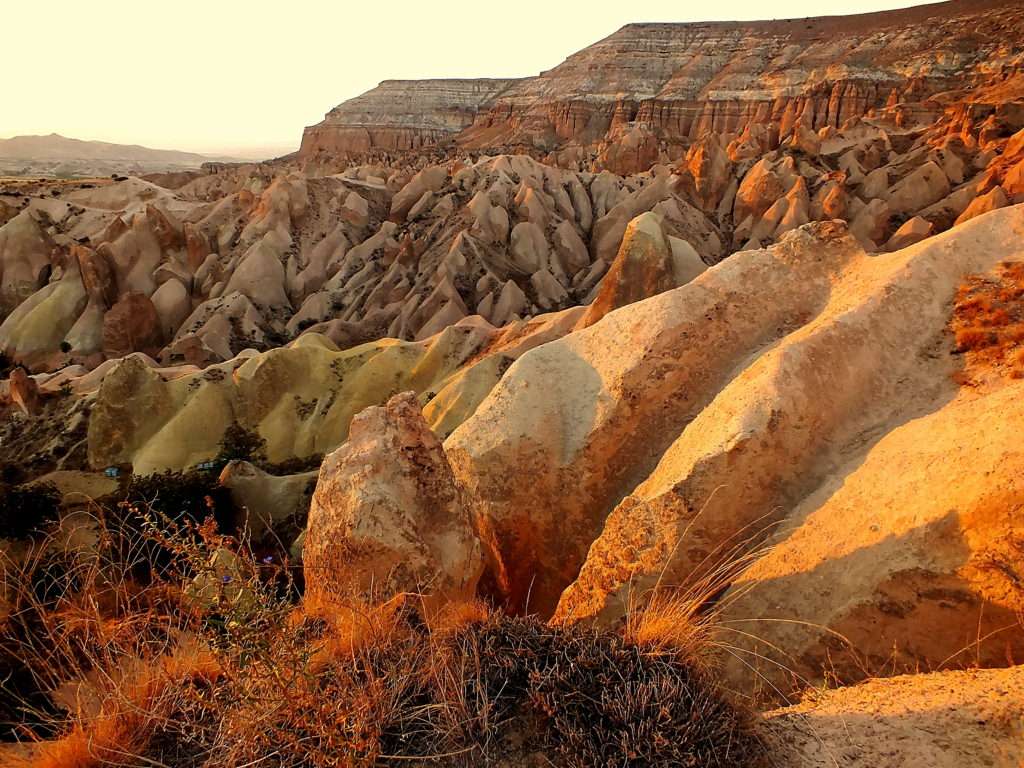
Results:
[161, 641]
[988, 322]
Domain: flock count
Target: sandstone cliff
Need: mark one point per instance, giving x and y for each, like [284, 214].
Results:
[402, 114]
[648, 90]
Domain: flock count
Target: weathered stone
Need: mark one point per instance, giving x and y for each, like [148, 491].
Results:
[387, 516]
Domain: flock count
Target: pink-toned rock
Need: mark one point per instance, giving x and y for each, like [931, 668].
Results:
[24, 391]
[132, 325]
[990, 201]
[709, 167]
[1013, 184]
[642, 268]
[97, 276]
[197, 246]
[912, 231]
[871, 225]
[387, 516]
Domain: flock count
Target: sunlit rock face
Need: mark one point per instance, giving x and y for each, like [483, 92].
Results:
[647, 90]
[402, 114]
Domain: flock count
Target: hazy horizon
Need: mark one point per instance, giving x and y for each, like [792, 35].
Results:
[243, 79]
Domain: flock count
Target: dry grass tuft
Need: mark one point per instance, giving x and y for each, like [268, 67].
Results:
[670, 621]
[988, 324]
[116, 717]
[139, 671]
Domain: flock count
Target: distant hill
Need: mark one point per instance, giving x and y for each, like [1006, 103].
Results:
[63, 157]
[57, 147]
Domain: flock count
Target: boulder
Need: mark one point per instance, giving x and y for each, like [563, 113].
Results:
[923, 187]
[98, 276]
[1013, 183]
[911, 231]
[642, 268]
[387, 516]
[260, 276]
[24, 392]
[25, 250]
[990, 201]
[355, 210]
[711, 171]
[762, 185]
[872, 225]
[173, 305]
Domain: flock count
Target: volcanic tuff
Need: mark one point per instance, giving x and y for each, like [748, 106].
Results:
[645, 92]
[750, 293]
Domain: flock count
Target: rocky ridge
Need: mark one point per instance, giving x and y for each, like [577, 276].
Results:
[566, 391]
[644, 93]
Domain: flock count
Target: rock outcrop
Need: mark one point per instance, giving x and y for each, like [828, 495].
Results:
[298, 399]
[269, 506]
[24, 392]
[594, 411]
[387, 516]
[402, 115]
[646, 265]
[768, 450]
[945, 720]
[645, 92]
[901, 561]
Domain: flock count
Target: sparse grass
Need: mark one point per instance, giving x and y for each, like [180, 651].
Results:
[238, 671]
[988, 324]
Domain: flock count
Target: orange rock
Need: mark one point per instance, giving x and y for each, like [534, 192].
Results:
[24, 391]
[387, 516]
[132, 325]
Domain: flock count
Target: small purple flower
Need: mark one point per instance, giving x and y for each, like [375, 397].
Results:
[268, 559]
[225, 579]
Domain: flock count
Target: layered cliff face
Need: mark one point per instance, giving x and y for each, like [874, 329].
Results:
[656, 88]
[402, 115]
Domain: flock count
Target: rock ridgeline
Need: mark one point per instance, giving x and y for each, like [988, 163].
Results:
[402, 114]
[645, 92]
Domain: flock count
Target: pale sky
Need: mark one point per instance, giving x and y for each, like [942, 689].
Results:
[231, 75]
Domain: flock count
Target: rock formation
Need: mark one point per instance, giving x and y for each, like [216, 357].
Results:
[387, 516]
[592, 414]
[252, 256]
[645, 92]
[298, 399]
[402, 114]
[945, 720]
[701, 297]
[270, 505]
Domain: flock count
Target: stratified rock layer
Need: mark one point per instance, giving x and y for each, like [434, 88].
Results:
[648, 90]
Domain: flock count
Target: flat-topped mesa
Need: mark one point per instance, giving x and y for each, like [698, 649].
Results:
[655, 88]
[401, 115]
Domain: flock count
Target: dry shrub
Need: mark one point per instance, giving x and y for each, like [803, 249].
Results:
[988, 323]
[972, 339]
[25, 510]
[117, 716]
[90, 658]
[152, 674]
